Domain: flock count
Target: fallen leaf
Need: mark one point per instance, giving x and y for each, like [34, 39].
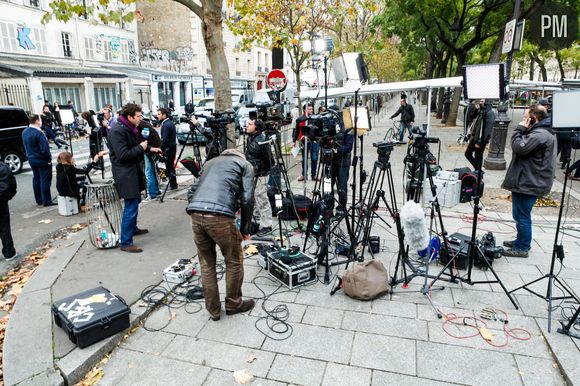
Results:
[486, 334]
[251, 250]
[243, 376]
[173, 316]
[251, 358]
[130, 365]
[15, 291]
[47, 221]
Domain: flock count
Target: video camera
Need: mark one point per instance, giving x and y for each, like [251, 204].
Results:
[419, 134]
[269, 113]
[384, 150]
[320, 125]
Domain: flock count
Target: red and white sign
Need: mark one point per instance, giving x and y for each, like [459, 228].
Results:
[508, 36]
[277, 80]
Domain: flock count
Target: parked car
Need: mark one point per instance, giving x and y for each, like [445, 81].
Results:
[205, 106]
[241, 98]
[183, 130]
[13, 121]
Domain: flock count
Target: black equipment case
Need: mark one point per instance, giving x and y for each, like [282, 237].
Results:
[294, 270]
[91, 316]
[459, 245]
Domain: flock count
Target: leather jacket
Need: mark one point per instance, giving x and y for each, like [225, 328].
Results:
[260, 156]
[225, 184]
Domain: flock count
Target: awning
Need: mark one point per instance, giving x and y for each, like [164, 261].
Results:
[57, 70]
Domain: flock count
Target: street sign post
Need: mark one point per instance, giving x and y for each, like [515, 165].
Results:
[508, 36]
[277, 80]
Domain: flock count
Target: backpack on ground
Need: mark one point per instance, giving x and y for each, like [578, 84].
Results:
[7, 183]
[468, 180]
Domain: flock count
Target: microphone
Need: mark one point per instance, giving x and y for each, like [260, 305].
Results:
[414, 226]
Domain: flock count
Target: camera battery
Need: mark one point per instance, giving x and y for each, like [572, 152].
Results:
[294, 270]
[375, 244]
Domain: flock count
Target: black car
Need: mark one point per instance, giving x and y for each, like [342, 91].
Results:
[13, 121]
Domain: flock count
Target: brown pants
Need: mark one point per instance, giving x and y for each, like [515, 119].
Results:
[209, 230]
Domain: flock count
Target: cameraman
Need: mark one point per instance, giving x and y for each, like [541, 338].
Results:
[481, 132]
[260, 156]
[340, 166]
[97, 132]
[407, 116]
[298, 135]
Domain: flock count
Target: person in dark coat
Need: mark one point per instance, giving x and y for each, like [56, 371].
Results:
[407, 116]
[40, 160]
[8, 187]
[340, 166]
[169, 145]
[189, 108]
[150, 159]
[70, 179]
[126, 160]
[49, 123]
[480, 133]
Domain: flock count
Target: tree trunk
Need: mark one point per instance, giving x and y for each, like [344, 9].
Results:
[560, 65]
[495, 55]
[214, 45]
[440, 99]
[543, 71]
[532, 69]
[453, 109]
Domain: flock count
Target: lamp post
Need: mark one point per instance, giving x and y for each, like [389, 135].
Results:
[320, 46]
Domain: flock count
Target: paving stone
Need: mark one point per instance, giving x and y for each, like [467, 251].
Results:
[533, 305]
[385, 325]
[220, 377]
[135, 368]
[48, 378]
[295, 311]
[534, 347]
[148, 342]
[566, 351]
[339, 301]
[297, 370]
[394, 308]
[178, 321]
[29, 327]
[514, 267]
[413, 295]
[325, 317]
[382, 378]
[314, 342]
[236, 329]
[478, 300]
[275, 292]
[219, 355]
[465, 365]
[384, 353]
[346, 375]
[426, 312]
[535, 371]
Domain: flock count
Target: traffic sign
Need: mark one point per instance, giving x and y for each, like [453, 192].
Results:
[277, 80]
[508, 36]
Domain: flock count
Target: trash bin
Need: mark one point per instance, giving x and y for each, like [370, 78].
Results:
[104, 212]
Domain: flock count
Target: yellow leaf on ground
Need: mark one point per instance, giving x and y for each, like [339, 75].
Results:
[46, 221]
[251, 249]
[243, 377]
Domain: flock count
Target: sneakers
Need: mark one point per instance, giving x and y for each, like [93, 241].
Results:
[149, 198]
[131, 249]
[510, 244]
[140, 232]
[12, 258]
[247, 305]
[215, 318]
[515, 253]
[264, 231]
[301, 178]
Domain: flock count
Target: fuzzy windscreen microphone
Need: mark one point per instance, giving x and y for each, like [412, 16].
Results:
[415, 226]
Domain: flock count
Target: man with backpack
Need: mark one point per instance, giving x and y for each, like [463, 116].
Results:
[7, 192]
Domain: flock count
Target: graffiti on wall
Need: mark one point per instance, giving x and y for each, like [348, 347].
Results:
[24, 38]
[180, 60]
[132, 53]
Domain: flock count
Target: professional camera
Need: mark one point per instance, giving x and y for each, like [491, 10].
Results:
[100, 118]
[219, 120]
[320, 125]
[420, 135]
[384, 150]
[490, 251]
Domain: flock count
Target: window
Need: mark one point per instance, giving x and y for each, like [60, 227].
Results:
[62, 95]
[108, 51]
[32, 3]
[66, 40]
[89, 48]
[238, 72]
[266, 62]
[124, 52]
[9, 39]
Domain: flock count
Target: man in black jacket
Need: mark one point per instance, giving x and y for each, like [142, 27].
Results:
[126, 163]
[8, 188]
[169, 145]
[260, 156]
[484, 117]
[225, 184]
[407, 117]
[189, 108]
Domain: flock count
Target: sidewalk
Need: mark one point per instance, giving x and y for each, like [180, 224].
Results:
[396, 339]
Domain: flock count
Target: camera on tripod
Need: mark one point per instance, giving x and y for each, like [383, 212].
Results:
[320, 126]
[219, 120]
[420, 138]
[384, 150]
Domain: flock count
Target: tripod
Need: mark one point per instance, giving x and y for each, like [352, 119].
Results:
[474, 246]
[557, 252]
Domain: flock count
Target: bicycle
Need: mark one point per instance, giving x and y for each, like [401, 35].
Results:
[392, 134]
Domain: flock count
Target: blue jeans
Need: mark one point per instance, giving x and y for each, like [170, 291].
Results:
[151, 175]
[313, 153]
[404, 127]
[129, 221]
[522, 205]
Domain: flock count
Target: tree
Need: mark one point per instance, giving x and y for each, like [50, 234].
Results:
[209, 12]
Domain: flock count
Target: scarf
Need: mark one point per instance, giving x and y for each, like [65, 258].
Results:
[132, 128]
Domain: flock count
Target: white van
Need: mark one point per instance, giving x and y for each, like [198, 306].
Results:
[241, 98]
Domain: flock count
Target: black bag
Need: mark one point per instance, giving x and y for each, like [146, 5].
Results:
[91, 316]
[303, 207]
[468, 180]
[7, 183]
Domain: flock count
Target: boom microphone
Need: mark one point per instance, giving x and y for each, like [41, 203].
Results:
[414, 226]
